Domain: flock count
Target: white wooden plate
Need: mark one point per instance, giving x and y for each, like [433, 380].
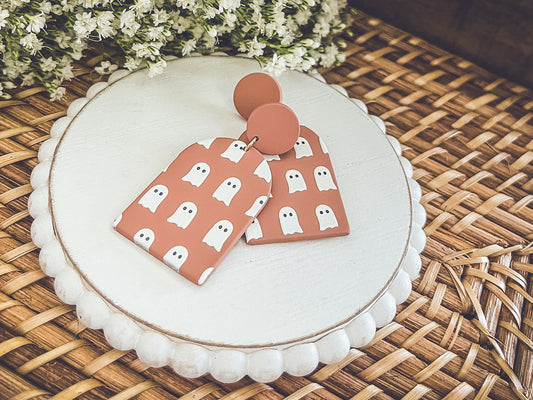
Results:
[268, 308]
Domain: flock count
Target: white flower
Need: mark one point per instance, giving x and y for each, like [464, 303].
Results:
[156, 68]
[3, 18]
[58, 93]
[229, 5]
[36, 23]
[128, 23]
[106, 67]
[32, 43]
[45, 7]
[104, 25]
[255, 48]
[188, 47]
[48, 64]
[160, 17]
[142, 6]
[132, 63]
[85, 24]
[277, 65]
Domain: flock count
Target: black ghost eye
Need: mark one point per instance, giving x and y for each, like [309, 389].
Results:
[285, 215]
[174, 253]
[190, 211]
[321, 212]
[203, 171]
[141, 235]
[241, 148]
[229, 183]
[253, 222]
[220, 227]
[290, 214]
[235, 145]
[290, 176]
[297, 143]
[297, 175]
[198, 168]
[185, 207]
[180, 256]
[327, 211]
[160, 193]
[234, 186]
[226, 229]
[324, 172]
[320, 173]
[155, 190]
[147, 238]
[261, 201]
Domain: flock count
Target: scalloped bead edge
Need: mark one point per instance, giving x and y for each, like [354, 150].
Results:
[191, 360]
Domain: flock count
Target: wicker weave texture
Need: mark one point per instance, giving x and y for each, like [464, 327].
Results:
[469, 137]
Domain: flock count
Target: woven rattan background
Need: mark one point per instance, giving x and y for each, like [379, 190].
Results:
[468, 135]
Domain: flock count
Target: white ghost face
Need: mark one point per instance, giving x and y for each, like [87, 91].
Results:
[271, 157]
[154, 197]
[259, 203]
[197, 174]
[295, 181]
[235, 151]
[227, 190]
[289, 221]
[323, 179]
[144, 238]
[326, 217]
[254, 231]
[184, 214]
[175, 257]
[302, 148]
[218, 234]
[207, 142]
[117, 221]
[263, 171]
[323, 146]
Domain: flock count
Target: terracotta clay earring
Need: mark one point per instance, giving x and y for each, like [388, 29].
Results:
[305, 201]
[197, 209]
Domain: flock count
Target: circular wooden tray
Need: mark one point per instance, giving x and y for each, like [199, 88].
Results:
[267, 309]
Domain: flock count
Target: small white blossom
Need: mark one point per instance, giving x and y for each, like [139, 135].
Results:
[3, 17]
[85, 24]
[48, 64]
[58, 94]
[36, 23]
[188, 47]
[277, 65]
[32, 43]
[156, 68]
[106, 67]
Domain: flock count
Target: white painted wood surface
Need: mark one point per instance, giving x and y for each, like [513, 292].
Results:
[260, 295]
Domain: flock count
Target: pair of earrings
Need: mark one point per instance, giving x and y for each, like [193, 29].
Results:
[274, 184]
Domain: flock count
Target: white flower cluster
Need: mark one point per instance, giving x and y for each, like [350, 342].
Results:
[40, 39]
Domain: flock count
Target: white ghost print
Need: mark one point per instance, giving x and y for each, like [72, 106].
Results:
[197, 174]
[207, 142]
[144, 238]
[326, 217]
[235, 151]
[175, 257]
[254, 231]
[295, 181]
[323, 179]
[302, 148]
[205, 275]
[263, 171]
[323, 146]
[184, 214]
[227, 190]
[289, 221]
[218, 234]
[271, 157]
[259, 203]
[117, 221]
[154, 197]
